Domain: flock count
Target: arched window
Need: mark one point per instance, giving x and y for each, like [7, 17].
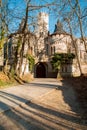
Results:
[51, 50]
[54, 49]
[47, 52]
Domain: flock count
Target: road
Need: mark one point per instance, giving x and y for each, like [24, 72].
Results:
[44, 104]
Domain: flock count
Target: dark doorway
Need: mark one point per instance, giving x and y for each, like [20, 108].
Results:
[40, 71]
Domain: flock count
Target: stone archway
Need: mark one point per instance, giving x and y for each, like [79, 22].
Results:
[40, 70]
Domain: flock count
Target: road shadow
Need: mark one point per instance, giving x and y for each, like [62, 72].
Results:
[45, 85]
[36, 116]
[10, 97]
[69, 96]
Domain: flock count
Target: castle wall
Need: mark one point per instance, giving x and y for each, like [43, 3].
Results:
[62, 43]
[43, 46]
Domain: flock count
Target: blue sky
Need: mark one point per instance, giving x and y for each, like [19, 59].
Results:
[17, 8]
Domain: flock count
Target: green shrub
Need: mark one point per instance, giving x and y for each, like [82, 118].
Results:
[62, 58]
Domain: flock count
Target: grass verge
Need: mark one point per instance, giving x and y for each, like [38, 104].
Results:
[5, 81]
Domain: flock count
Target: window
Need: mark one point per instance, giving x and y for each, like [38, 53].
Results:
[51, 50]
[80, 54]
[54, 49]
[47, 49]
[85, 57]
[65, 68]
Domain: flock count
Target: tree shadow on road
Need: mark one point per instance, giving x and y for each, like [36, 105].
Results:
[37, 116]
[45, 85]
[33, 116]
[69, 96]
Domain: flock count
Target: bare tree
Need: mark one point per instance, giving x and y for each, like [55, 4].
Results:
[77, 10]
[75, 45]
[63, 7]
[72, 17]
[28, 22]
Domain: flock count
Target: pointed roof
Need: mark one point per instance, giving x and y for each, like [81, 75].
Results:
[59, 27]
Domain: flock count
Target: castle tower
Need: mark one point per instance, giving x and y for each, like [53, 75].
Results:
[42, 33]
[43, 24]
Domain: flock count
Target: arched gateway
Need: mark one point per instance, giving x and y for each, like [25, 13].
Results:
[40, 70]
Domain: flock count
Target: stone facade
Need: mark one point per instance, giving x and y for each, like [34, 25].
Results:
[14, 47]
[43, 46]
[60, 42]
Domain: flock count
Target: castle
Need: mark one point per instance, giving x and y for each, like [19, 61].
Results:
[57, 42]
[42, 46]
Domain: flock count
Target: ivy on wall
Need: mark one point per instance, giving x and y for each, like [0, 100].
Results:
[31, 62]
[62, 58]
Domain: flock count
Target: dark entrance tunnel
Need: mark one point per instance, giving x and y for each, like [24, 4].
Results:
[40, 71]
